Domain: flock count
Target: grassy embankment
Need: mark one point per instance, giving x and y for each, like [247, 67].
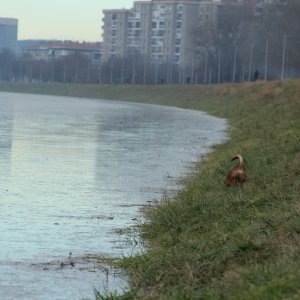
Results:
[212, 242]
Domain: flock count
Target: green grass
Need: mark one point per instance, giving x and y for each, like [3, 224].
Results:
[213, 242]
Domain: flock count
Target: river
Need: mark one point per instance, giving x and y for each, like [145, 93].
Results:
[73, 174]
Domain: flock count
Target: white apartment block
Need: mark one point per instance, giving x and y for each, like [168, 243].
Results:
[115, 32]
[163, 31]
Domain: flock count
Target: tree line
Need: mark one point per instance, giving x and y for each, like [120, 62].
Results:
[246, 46]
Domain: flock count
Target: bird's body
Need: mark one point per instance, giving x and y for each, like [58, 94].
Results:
[237, 175]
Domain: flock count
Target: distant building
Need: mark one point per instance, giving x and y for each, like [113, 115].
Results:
[160, 30]
[28, 43]
[115, 28]
[166, 30]
[8, 34]
[173, 37]
[58, 49]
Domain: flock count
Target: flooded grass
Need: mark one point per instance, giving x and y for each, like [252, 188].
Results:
[213, 242]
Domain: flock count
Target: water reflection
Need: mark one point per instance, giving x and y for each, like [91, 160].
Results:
[73, 172]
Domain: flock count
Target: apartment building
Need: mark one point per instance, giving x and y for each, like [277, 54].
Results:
[115, 32]
[160, 30]
[8, 34]
[173, 34]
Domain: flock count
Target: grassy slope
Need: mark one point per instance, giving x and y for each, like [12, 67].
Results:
[213, 242]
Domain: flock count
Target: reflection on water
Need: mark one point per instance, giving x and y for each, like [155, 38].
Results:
[73, 172]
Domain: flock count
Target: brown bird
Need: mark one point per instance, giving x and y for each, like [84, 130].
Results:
[238, 174]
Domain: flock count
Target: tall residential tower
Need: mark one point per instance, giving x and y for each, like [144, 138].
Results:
[8, 34]
[160, 30]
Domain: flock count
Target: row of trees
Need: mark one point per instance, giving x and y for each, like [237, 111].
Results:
[77, 68]
[245, 46]
[73, 68]
[242, 47]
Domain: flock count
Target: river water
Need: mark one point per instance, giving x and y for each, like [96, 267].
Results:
[73, 173]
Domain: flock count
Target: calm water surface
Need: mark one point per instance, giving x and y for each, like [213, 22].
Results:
[75, 171]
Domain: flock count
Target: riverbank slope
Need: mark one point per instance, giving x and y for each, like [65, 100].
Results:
[213, 242]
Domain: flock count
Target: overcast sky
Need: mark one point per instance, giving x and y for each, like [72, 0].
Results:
[79, 20]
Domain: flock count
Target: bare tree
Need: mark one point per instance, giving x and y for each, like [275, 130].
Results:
[280, 23]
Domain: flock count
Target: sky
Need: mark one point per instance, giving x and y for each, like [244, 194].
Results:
[77, 20]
